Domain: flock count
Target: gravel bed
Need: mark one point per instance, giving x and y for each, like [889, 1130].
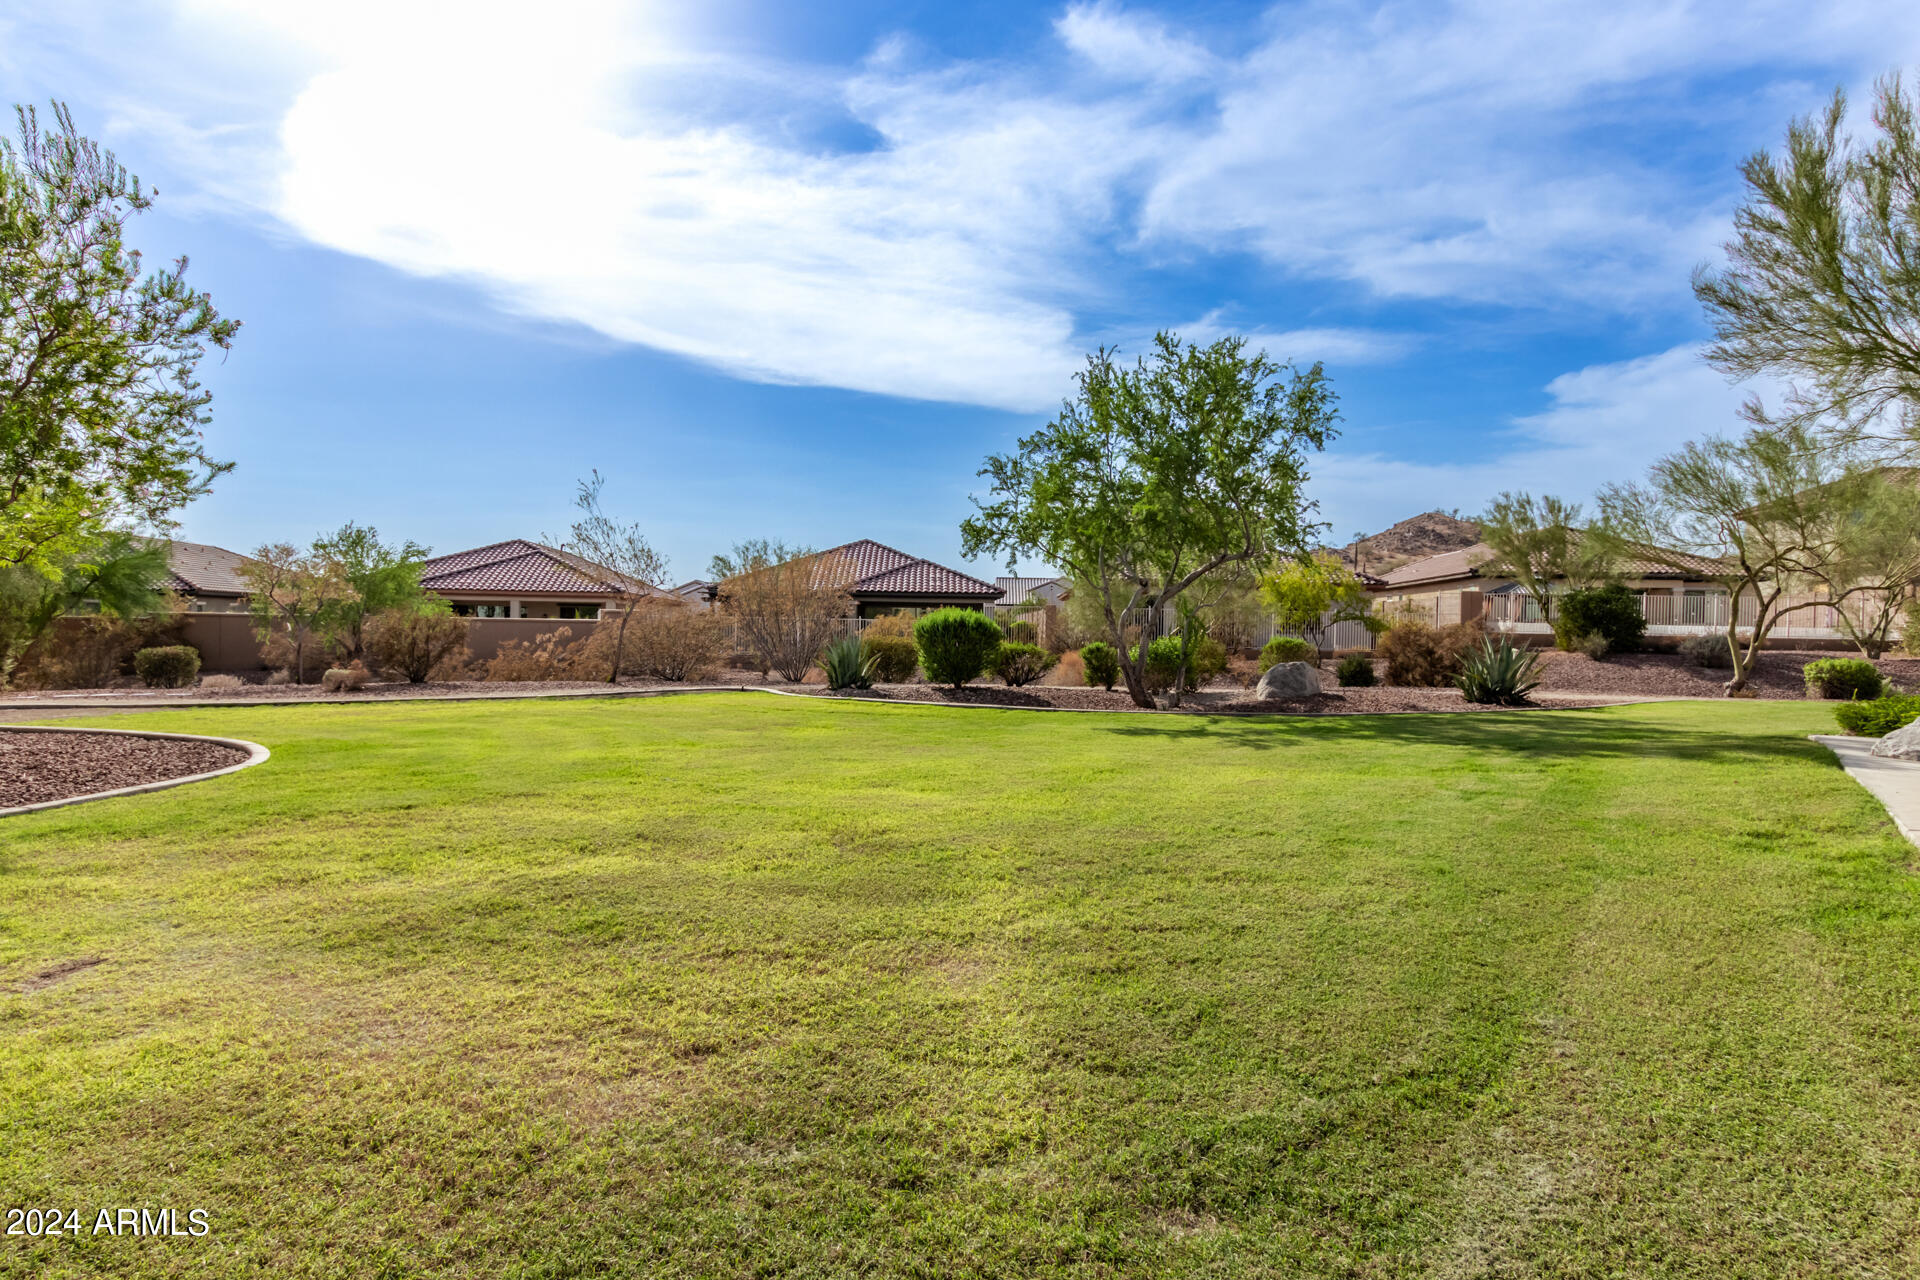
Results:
[36, 767]
[1776, 675]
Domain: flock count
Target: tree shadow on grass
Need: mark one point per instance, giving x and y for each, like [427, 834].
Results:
[1562, 733]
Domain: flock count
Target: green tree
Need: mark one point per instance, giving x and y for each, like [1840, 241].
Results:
[375, 577]
[1757, 515]
[100, 409]
[116, 573]
[1306, 596]
[1822, 281]
[290, 594]
[1154, 477]
[1538, 542]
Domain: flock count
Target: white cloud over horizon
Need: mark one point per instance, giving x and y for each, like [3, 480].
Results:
[596, 163]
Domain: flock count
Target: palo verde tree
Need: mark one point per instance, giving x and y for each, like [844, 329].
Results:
[1821, 285]
[1154, 476]
[1539, 542]
[633, 571]
[100, 408]
[375, 577]
[1757, 515]
[1307, 596]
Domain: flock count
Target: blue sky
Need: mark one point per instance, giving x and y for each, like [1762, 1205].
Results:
[792, 271]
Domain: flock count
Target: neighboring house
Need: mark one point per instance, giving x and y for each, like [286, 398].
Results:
[520, 579]
[1030, 593]
[206, 577]
[889, 581]
[1460, 586]
[699, 592]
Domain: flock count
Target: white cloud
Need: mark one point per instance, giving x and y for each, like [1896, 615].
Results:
[1605, 423]
[596, 163]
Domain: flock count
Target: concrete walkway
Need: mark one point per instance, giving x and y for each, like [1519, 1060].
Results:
[1895, 783]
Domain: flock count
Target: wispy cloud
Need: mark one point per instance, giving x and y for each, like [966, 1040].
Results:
[943, 230]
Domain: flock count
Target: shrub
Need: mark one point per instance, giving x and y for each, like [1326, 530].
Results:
[1595, 647]
[662, 640]
[1287, 649]
[894, 657]
[222, 684]
[521, 660]
[889, 624]
[1427, 656]
[1020, 631]
[847, 664]
[344, 679]
[1017, 663]
[1848, 679]
[279, 677]
[1355, 671]
[1208, 659]
[1611, 613]
[1163, 663]
[1102, 663]
[167, 666]
[92, 651]
[1499, 674]
[412, 642]
[1707, 651]
[955, 644]
[1878, 717]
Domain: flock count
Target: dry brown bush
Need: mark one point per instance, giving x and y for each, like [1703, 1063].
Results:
[1418, 654]
[222, 684]
[787, 611]
[413, 644]
[345, 679]
[666, 640]
[545, 657]
[93, 652]
[890, 624]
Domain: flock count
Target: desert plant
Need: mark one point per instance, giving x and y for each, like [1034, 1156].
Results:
[847, 664]
[894, 657]
[222, 684]
[279, 676]
[1355, 671]
[1162, 665]
[1611, 612]
[1018, 664]
[1498, 673]
[167, 666]
[1591, 646]
[1101, 662]
[90, 651]
[412, 641]
[346, 679]
[1707, 651]
[1848, 679]
[787, 602]
[1878, 717]
[664, 639]
[290, 595]
[542, 658]
[1287, 649]
[898, 625]
[955, 644]
[1420, 655]
[1205, 660]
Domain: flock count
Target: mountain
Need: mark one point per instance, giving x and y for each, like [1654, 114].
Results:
[1426, 534]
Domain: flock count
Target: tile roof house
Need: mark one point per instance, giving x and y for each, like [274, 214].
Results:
[1016, 592]
[889, 581]
[521, 579]
[1463, 584]
[206, 577]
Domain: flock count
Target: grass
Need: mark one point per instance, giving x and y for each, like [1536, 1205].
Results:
[752, 986]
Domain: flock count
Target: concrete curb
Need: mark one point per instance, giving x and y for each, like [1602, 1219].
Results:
[1894, 783]
[256, 754]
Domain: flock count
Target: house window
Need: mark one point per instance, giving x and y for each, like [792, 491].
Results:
[467, 609]
[584, 612]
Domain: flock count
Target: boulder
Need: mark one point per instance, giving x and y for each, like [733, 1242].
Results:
[1901, 744]
[1290, 680]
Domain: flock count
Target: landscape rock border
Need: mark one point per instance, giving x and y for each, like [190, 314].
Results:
[256, 754]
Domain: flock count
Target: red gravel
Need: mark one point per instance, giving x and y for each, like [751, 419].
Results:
[36, 767]
[1777, 674]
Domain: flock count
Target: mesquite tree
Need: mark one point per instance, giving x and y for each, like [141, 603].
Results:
[618, 558]
[785, 602]
[100, 409]
[1155, 476]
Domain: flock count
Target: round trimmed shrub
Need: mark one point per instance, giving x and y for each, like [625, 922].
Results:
[1017, 664]
[167, 666]
[894, 658]
[1707, 651]
[1612, 613]
[1355, 671]
[1287, 649]
[955, 644]
[1102, 663]
[1845, 679]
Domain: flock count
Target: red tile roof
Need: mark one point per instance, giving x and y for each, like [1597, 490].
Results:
[517, 565]
[1466, 562]
[879, 570]
[197, 569]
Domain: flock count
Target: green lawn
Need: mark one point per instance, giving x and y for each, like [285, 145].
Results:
[739, 985]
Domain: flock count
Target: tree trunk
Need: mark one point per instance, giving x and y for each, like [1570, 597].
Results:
[619, 647]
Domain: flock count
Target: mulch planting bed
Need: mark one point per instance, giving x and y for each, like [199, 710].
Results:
[37, 767]
[1777, 674]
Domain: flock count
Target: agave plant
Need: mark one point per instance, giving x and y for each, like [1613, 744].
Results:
[1499, 674]
[848, 664]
